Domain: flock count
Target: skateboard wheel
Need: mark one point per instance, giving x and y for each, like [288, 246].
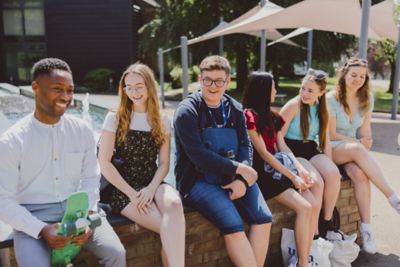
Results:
[95, 220]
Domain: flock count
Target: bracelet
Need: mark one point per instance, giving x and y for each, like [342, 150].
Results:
[240, 178]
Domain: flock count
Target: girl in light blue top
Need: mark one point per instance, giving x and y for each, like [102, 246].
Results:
[350, 109]
[306, 134]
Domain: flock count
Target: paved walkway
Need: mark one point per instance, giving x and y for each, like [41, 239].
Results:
[385, 221]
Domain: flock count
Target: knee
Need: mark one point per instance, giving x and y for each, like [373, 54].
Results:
[234, 236]
[305, 209]
[356, 174]
[315, 206]
[174, 206]
[116, 253]
[319, 183]
[358, 150]
[333, 176]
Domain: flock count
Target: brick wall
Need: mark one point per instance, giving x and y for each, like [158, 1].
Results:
[204, 245]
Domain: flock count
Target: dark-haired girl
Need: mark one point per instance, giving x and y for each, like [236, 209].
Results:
[281, 175]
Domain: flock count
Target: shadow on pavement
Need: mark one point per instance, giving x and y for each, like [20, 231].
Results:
[378, 259]
[385, 135]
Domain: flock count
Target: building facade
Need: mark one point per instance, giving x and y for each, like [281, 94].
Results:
[88, 34]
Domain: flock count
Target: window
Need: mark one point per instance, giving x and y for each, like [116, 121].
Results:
[34, 22]
[12, 20]
[23, 18]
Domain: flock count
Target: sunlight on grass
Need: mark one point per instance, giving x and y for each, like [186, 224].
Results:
[382, 103]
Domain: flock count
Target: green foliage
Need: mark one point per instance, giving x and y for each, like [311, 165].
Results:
[193, 18]
[194, 73]
[97, 79]
[386, 51]
[176, 75]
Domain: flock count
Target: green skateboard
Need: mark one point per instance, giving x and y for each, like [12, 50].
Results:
[73, 223]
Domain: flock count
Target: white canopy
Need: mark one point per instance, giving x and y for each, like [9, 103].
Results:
[381, 20]
[290, 35]
[342, 16]
[272, 34]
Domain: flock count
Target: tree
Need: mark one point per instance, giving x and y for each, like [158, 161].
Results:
[195, 17]
[386, 51]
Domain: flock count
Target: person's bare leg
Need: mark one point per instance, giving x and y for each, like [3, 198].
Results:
[239, 250]
[353, 152]
[331, 176]
[293, 200]
[317, 191]
[172, 227]
[315, 210]
[259, 239]
[362, 190]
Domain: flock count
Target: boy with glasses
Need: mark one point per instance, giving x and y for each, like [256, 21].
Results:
[213, 173]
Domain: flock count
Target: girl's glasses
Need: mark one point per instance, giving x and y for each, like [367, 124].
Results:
[129, 89]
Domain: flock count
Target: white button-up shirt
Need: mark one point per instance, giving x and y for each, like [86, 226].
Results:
[42, 163]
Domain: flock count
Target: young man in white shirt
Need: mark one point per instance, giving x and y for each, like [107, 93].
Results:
[44, 158]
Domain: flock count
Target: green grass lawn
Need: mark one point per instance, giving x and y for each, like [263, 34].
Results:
[383, 100]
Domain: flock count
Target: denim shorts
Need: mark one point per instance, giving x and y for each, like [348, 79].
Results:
[213, 203]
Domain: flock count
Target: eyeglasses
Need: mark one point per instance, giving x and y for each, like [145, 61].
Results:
[318, 74]
[209, 82]
[129, 89]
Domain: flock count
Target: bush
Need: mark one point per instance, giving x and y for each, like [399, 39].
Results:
[194, 73]
[176, 75]
[97, 79]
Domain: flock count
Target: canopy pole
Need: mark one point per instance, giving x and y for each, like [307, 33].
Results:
[161, 73]
[184, 59]
[309, 48]
[263, 43]
[363, 41]
[395, 96]
[221, 41]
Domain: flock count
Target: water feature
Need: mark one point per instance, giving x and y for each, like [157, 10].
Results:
[15, 107]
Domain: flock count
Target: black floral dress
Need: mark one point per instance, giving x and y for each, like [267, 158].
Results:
[139, 164]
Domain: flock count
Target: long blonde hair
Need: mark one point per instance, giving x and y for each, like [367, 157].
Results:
[125, 108]
[322, 109]
[362, 93]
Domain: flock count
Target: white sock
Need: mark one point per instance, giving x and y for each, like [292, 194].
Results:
[394, 199]
[366, 227]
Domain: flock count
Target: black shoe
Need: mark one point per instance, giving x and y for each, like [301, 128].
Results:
[325, 226]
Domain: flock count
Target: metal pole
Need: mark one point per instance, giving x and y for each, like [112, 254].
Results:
[263, 48]
[263, 45]
[396, 79]
[221, 42]
[309, 48]
[184, 59]
[161, 72]
[363, 40]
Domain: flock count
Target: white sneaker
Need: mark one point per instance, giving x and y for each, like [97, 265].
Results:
[368, 243]
[395, 202]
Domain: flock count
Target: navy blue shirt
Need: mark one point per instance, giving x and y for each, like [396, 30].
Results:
[193, 158]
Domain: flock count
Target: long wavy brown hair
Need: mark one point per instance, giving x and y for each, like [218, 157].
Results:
[125, 108]
[362, 93]
[322, 110]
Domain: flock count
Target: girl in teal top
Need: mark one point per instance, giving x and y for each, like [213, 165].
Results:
[306, 134]
[350, 109]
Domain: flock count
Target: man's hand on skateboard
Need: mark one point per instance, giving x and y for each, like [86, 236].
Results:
[55, 241]
[82, 238]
